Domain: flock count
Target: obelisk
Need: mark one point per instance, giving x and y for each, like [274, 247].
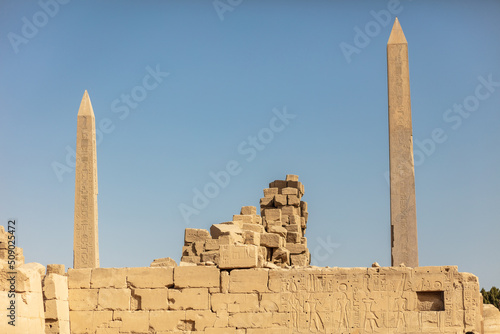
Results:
[85, 241]
[404, 244]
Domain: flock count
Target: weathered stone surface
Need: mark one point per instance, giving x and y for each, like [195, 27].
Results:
[272, 214]
[253, 227]
[249, 280]
[218, 230]
[151, 299]
[148, 277]
[212, 244]
[281, 256]
[267, 202]
[238, 256]
[161, 321]
[235, 302]
[404, 244]
[296, 248]
[491, 319]
[55, 286]
[290, 191]
[85, 239]
[82, 299]
[188, 299]
[195, 234]
[87, 321]
[248, 210]
[133, 321]
[251, 238]
[164, 262]
[279, 230]
[108, 278]
[114, 299]
[196, 277]
[55, 269]
[271, 240]
[280, 200]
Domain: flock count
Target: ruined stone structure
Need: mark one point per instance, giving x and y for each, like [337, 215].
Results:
[404, 246]
[85, 240]
[251, 275]
[274, 238]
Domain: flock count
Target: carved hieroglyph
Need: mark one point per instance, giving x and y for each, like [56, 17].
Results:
[404, 245]
[85, 242]
[376, 300]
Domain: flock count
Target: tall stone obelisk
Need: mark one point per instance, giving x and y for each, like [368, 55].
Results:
[85, 241]
[404, 244]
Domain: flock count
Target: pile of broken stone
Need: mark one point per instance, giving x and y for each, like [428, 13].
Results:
[274, 238]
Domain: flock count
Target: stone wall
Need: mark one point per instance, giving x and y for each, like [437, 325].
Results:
[205, 299]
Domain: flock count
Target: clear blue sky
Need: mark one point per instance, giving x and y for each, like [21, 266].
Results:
[228, 69]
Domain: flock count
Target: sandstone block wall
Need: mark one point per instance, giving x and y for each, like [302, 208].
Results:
[205, 299]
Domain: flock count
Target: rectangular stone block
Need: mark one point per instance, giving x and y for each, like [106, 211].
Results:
[196, 277]
[211, 244]
[248, 210]
[272, 214]
[82, 299]
[270, 192]
[303, 206]
[114, 299]
[211, 256]
[293, 238]
[248, 280]
[238, 256]
[294, 228]
[293, 200]
[150, 277]
[290, 210]
[108, 278]
[280, 184]
[244, 219]
[79, 278]
[133, 321]
[188, 299]
[151, 299]
[250, 320]
[235, 302]
[84, 322]
[199, 320]
[56, 309]
[296, 184]
[55, 287]
[267, 202]
[300, 259]
[253, 227]
[231, 239]
[296, 248]
[190, 259]
[217, 230]
[289, 191]
[279, 230]
[271, 240]
[195, 234]
[291, 177]
[280, 200]
[161, 321]
[251, 238]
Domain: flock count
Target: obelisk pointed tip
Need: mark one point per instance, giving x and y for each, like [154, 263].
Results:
[86, 106]
[397, 36]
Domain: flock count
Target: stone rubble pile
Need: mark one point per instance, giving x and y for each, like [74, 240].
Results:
[274, 238]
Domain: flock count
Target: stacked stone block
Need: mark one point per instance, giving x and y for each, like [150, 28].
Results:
[285, 214]
[55, 295]
[275, 237]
